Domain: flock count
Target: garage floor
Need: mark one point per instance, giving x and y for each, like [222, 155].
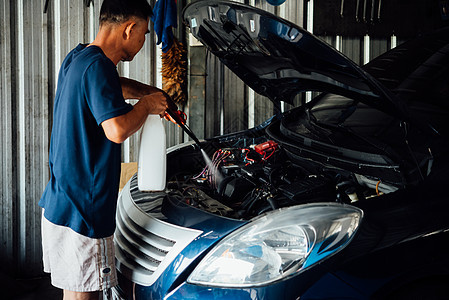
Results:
[29, 289]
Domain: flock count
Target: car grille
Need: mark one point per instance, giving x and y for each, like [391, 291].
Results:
[145, 243]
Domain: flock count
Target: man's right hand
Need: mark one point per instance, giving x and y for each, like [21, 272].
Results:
[155, 103]
[118, 129]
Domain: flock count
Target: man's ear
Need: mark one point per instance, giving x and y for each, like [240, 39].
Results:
[129, 27]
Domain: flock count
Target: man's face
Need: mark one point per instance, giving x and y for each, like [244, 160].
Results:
[136, 40]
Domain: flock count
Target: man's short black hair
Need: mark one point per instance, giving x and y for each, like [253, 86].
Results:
[118, 11]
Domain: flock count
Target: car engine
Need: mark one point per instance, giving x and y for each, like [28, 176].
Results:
[243, 182]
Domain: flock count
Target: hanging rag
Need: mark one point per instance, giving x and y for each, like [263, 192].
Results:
[164, 18]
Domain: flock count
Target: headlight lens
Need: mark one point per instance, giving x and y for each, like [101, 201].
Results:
[278, 244]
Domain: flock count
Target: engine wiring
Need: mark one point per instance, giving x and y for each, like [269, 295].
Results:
[235, 156]
[248, 160]
[210, 171]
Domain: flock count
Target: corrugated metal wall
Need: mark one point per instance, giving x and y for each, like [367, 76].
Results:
[24, 74]
[32, 47]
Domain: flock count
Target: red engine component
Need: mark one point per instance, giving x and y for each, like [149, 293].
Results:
[266, 147]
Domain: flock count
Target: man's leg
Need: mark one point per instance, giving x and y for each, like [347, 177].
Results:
[78, 263]
[69, 295]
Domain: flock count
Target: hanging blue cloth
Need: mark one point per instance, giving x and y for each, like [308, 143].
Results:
[164, 18]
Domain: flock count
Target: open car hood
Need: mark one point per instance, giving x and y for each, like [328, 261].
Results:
[279, 59]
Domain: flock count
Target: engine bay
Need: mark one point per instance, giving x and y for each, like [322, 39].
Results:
[242, 181]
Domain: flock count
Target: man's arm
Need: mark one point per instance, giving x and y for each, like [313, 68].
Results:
[151, 101]
[133, 89]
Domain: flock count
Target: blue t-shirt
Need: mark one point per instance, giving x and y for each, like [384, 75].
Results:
[84, 164]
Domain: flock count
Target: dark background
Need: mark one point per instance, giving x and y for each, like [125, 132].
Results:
[379, 18]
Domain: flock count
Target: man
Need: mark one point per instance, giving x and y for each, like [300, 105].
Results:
[91, 119]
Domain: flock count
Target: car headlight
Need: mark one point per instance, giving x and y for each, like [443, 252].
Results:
[278, 244]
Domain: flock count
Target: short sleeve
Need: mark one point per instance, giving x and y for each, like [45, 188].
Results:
[103, 91]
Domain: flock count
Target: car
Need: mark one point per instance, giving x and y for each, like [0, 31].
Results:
[340, 197]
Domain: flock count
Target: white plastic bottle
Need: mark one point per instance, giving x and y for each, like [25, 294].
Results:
[152, 164]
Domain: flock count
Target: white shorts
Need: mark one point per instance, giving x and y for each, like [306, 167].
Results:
[77, 263]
